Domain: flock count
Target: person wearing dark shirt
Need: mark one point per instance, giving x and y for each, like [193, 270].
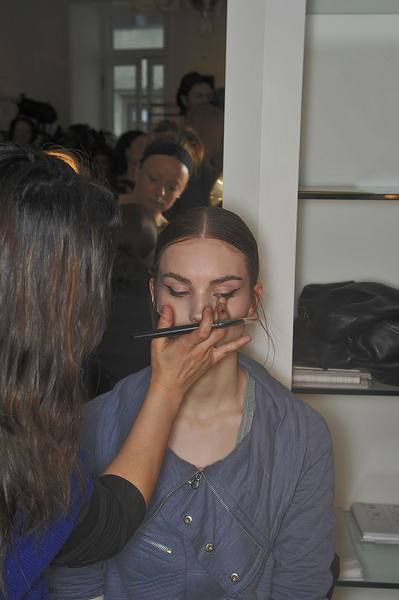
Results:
[56, 248]
[131, 310]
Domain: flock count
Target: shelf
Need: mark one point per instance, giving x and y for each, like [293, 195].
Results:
[375, 389]
[346, 193]
[379, 562]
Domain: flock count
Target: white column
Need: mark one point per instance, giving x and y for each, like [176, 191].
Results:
[264, 59]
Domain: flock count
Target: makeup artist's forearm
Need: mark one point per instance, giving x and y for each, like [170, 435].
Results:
[141, 456]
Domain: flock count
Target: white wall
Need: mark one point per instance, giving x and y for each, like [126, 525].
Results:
[342, 240]
[350, 100]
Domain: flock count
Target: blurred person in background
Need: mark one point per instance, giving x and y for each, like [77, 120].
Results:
[194, 88]
[128, 152]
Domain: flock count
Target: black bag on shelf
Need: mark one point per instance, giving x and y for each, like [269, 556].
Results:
[353, 325]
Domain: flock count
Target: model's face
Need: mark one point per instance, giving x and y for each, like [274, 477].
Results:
[204, 272]
[161, 179]
[200, 93]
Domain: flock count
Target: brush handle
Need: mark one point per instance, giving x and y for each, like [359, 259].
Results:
[181, 329]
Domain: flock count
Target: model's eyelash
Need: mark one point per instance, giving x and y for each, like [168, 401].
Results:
[228, 295]
[182, 294]
[175, 293]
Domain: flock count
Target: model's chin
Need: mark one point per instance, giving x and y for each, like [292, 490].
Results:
[233, 333]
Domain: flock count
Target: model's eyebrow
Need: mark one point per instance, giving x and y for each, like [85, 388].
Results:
[217, 281]
[177, 277]
[226, 278]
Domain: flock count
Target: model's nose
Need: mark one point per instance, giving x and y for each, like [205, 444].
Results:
[196, 309]
[161, 191]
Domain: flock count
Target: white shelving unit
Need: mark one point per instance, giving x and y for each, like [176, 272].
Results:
[348, 129]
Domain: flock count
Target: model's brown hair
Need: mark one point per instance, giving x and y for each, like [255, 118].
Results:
[56, 255]
[211, 222]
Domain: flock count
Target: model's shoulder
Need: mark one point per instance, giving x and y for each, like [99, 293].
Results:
[274, 395]
[266, 383]
[125, 395]
[107, 419]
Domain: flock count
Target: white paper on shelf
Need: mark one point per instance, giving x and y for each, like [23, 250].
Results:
[378, 523]
[315, 377]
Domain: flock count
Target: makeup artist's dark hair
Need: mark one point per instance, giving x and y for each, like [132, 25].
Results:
[56, 253]
[211, 222]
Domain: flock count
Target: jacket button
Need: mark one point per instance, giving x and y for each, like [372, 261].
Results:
[188, 520]
[234, 577]
[209, 547]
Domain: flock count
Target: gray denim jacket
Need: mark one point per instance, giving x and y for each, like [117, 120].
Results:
[253, 526]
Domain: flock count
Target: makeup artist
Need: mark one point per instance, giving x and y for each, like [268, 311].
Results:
[56, 249]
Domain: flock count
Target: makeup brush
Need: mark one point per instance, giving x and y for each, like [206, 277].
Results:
[181, 329]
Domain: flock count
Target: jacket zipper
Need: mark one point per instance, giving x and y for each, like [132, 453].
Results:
[185, 482]
[195, 480]
[158, 546]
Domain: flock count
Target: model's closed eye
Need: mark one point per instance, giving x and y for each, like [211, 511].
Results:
[177, 293]
[227, 295]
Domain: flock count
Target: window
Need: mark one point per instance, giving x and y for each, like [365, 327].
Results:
[138, 73]
[137, 32]
[136, 87]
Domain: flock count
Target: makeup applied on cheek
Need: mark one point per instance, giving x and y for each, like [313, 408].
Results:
[189, 327]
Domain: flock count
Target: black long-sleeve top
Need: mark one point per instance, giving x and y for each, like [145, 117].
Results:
[106, 523]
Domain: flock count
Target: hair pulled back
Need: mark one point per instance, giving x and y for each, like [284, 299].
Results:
[169, 132]
[214, 223]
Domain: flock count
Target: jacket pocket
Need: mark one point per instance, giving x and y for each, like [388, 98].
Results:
[227, 549]
[147, 556]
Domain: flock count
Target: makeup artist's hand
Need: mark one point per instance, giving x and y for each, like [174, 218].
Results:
[177, 362]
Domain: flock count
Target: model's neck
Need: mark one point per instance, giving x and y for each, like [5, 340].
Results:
[159, 219]
[220, 388]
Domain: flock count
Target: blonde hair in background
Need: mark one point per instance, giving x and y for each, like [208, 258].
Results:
[66, 156]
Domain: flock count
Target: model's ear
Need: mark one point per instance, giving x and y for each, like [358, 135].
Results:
[256, 296]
